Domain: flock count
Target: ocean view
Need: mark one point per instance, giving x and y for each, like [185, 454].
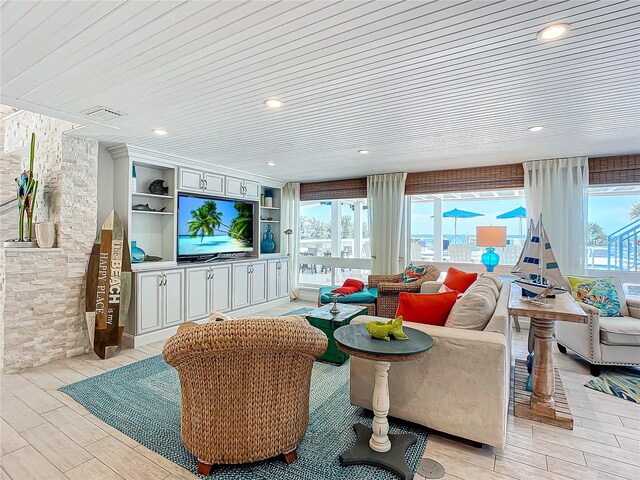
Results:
[221, 243]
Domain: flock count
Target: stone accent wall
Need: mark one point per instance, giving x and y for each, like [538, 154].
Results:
[43, 295]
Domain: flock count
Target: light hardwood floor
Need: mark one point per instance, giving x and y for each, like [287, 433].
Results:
[44, 434]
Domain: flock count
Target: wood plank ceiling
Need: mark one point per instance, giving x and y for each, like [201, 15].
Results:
[422, 85]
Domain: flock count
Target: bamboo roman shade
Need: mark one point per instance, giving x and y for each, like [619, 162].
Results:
[612, 170]
[602, 171]
[335, 189]
[466, 179]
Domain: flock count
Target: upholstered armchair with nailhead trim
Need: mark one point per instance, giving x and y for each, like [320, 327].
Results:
[390, 286]
[604, 340]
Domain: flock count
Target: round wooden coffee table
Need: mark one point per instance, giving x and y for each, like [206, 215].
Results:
[374, 446]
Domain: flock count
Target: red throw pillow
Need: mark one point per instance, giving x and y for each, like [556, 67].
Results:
[345, 290]
[459, 280]
[352, 282]
[429, 308]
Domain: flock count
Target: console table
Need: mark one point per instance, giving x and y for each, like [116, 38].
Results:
[375, 446]
[545, 404]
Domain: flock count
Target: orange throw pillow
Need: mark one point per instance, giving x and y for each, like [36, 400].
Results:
[429, 308]
[459, 280]
[345, 290]
[352, 282]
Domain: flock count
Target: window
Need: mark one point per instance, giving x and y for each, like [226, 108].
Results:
[613, 231]
[334, 241]
[443, 226]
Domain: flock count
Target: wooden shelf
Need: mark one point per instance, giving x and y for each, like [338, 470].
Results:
[269, 221]
[151, 195]
[152, 213]
[269, 208]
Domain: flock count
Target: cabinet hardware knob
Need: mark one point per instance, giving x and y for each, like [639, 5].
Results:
[160, 279]
[206, 184]
[165, 279]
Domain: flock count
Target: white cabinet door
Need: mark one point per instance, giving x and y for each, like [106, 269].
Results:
[149, 301]
[241, 292]
[173, 297]
[258, 282]
[197, 293]
[220, 285]
[235, 187]
[190, 180]
[283, 283]
[251, 190]
[213, 183]
[272, 279]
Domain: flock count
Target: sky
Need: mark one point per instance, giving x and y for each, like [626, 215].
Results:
[610, 212]
[186, 204]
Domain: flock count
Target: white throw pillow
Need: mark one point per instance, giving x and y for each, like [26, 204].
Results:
[494, 278]
[485, 282]
[474, 310]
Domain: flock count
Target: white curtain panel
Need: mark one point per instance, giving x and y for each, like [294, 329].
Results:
[290, 218]
[557, 188]
[386, 198]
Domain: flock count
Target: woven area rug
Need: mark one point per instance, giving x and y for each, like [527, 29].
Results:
[300, 311]
[142, 400]
[624, 385]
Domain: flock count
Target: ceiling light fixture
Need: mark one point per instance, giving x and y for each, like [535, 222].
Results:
[363, 152]
[535, 128]
[271, 164]
[273, 103]
[159, 131]
[553, 32]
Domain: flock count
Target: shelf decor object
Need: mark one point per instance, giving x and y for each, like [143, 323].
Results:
[137, 254]
[108, 287]
[157, 187]
[268, 244]
[491, 237]
[26, 193]
[134, 180]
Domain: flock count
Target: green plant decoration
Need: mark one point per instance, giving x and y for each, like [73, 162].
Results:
[26, 193]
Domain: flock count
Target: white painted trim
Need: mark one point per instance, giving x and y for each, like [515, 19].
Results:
[133, 341]
[159, 158]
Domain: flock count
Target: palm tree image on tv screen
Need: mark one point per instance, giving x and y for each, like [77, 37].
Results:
[211, 226]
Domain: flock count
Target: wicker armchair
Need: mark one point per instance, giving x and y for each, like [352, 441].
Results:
[245, 387]
[390, 286]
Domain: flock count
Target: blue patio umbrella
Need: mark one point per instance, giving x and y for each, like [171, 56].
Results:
[519, 212]
[456, 213]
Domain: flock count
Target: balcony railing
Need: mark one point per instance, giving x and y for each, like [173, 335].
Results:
[622, 248]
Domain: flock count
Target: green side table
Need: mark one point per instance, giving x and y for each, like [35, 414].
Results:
[329, 322]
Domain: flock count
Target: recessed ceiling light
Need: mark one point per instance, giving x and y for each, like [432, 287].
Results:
[535, 128]
[273, 103]
[271, 164]
[363, 152]
[553, 32]
[160, 131]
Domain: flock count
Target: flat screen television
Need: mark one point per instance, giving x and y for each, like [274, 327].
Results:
[210, 227]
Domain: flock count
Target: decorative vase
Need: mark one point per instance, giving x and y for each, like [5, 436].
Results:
[137, 254]
[45, 234]
[268, 244]
[134, 180]
[268, 201]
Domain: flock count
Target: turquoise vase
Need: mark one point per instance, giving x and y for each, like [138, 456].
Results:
[137, 254]
[268, 244]
[490, 259]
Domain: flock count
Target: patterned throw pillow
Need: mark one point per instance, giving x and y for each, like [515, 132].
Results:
[413, 273]
[600, 293]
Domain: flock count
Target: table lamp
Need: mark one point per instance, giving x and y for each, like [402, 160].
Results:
[491, 237]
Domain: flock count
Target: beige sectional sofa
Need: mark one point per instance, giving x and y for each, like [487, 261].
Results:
[461, 387]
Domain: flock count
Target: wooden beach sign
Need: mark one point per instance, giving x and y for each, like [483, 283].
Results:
[108, 287]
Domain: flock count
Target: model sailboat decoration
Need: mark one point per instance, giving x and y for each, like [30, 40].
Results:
[537, 267]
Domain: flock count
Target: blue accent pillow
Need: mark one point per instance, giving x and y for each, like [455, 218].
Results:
[368, 295]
